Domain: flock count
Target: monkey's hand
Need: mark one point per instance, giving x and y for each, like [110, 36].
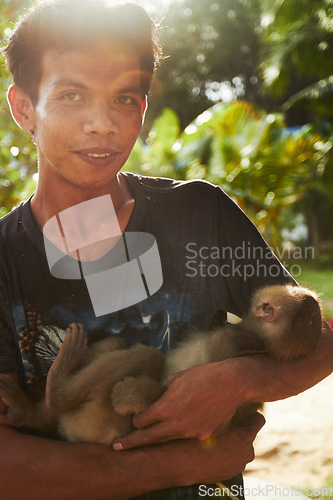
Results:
[133, 395]
[197, 401]
[20, 407]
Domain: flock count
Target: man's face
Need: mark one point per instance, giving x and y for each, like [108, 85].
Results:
[89, 114]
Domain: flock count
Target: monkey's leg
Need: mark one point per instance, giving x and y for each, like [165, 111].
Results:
[22, 411]
[109, 344]
[133, 395]
[69, 358]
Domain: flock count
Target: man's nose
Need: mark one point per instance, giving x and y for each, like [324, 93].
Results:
[101, 120]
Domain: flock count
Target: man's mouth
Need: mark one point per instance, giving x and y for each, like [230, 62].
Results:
[98, 155]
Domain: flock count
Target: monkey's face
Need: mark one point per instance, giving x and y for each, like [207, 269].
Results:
[288, 318]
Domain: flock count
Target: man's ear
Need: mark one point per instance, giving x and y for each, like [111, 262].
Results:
[21, 108]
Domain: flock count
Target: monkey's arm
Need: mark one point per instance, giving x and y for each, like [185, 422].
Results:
[70, 471]
[198, 400]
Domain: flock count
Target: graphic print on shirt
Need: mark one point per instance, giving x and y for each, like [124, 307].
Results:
[129, 275]
[145, 323]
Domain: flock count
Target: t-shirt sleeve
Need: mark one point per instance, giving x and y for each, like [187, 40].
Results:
[245, 260]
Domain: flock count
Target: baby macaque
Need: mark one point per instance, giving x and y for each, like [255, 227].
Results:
[78, 403]
[92, 393]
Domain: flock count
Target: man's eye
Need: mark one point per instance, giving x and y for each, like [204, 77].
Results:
[126, 99]
[72, 96]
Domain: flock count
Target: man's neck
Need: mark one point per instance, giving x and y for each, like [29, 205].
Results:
[101, 221]
[47, 203]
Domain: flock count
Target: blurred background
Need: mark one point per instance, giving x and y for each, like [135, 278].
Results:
[243, 99]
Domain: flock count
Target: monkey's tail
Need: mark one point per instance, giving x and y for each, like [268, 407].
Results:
[226, 490]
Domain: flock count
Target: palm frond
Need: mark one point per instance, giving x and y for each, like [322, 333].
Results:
[320, 92]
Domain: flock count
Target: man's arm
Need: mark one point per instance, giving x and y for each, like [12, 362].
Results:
[285, 379]
[198, 400]
[36, 468]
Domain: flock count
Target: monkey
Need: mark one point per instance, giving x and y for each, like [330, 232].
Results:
[92, 393]
[283, 321]
[77, 404]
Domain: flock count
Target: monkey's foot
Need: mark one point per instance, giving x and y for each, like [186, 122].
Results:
[72, 350]
[133, 395]
[69, 358]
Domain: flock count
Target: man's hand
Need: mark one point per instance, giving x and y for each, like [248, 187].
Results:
[220, 458]
[196, 402]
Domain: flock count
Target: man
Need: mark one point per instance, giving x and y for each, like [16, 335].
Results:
[81, 76]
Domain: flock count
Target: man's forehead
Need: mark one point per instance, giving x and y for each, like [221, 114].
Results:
[106, 60]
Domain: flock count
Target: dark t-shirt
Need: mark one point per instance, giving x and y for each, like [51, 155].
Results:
[212, 259]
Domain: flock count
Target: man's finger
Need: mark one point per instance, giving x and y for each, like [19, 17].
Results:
[251, 427]
[148, 417]
[142, 437]
[159, 433]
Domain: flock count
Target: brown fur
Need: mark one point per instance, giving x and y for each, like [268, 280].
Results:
[92, 393]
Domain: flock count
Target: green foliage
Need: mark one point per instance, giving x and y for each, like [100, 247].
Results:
[319, 280]
[317, 97]
[274, 173]
[298, 50]
[246, 151]
[205, 42]
[157, 155]
[17, 153]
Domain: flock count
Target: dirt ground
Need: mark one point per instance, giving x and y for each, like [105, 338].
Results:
[295, 447]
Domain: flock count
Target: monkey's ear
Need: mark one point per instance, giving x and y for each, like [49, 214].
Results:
[267, 311]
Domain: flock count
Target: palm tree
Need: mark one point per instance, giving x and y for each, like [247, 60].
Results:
[246, 151]
[298, 37]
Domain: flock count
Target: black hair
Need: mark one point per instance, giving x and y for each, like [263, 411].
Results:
[70, 24]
